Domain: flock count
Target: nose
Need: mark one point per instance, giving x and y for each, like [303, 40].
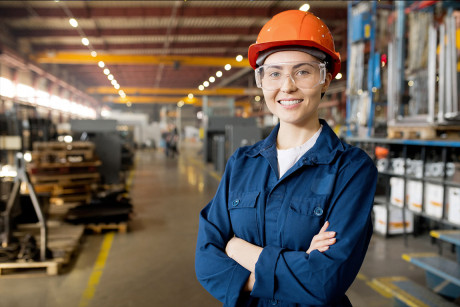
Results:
[288, 84]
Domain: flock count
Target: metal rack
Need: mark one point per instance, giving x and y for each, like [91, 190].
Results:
[407, 149]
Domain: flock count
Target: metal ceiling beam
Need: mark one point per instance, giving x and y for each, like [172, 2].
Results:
[108, 90]
[134, 59]
[162, 100]
[150, 99]
[36, 33]
[158, 12]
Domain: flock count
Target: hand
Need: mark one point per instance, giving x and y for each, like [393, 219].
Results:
[322, 240]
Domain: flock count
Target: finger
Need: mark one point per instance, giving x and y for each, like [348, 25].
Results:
[323, 236]
[323, 229]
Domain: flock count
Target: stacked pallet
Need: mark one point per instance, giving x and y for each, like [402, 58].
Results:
[68, 171]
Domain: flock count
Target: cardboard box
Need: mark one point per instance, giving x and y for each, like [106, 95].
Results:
[434, 199]
[414, 195]
[397, 191]
[453, 205]
[395, 220]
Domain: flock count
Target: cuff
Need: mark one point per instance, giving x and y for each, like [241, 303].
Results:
[235, 285]
[265, 272]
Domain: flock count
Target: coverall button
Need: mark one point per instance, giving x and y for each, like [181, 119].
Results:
[318, 211]
[236, 202]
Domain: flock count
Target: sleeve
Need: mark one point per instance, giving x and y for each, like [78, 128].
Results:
[322, 278]
[218, 274]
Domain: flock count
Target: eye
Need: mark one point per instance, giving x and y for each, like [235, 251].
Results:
[274, 74]
[302, 72]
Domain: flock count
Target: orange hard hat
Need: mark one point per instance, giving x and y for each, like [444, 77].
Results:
[296, 28]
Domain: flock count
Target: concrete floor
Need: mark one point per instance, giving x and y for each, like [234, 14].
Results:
[153, 264]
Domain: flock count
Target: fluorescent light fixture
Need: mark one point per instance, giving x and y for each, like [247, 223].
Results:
[201, 87]
[219, 74]
[106, 71]
[206, 83]
[101, 64]
[190, 96]
[212, 79]
[73, 22]
[110, 77]
[228, 67]
[85, 41]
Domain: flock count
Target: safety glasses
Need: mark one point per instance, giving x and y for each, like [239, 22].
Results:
[305, 75]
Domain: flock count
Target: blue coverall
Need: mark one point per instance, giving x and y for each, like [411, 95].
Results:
[332, 182]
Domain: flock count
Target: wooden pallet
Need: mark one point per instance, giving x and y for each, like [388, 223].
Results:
[64, 242]
[99, 228]
[40, 146]
[423, 132]
[50, 267]
[65, 179]
[62, 199]
[52, 152]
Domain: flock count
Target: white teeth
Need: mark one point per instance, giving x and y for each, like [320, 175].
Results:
[289, 102]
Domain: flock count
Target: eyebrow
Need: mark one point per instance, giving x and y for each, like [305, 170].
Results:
[295, 66]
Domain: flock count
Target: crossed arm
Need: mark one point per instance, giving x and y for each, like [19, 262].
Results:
[247, 254]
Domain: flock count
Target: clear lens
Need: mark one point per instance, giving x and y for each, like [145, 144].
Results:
[305, 75]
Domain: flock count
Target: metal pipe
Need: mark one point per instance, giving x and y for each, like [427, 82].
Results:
[431, 72]
[442, 66]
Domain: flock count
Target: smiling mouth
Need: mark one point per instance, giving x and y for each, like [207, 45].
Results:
[290, 102]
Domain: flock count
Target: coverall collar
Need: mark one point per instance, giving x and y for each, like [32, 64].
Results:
[324, 151]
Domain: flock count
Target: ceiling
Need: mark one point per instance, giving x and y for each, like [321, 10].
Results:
[158, 51]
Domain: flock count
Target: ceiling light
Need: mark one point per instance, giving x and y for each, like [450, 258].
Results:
[128, 104]
[180, 104]
[106, 71]
[410, 83]
[110, 77]
[201, 87]
[257, 98]
[338, 76]
[239, 58]
[116, 86]
[206, 83]
[219, 74]
[228, 67]
[93, 54]
[305, 7]
[101, 64]
[85, 41]
[73, 22]
[212, 79]
[114, 82]
[190, 96]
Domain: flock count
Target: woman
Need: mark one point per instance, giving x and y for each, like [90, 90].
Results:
[262, 239]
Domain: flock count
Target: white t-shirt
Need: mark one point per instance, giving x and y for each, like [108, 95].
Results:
[288, 157]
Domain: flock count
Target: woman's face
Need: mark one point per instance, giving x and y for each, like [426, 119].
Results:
[289, 103]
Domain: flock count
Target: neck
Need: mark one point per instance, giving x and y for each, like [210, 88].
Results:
[290, 136]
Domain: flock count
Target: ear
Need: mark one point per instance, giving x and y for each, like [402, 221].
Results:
[326, 83]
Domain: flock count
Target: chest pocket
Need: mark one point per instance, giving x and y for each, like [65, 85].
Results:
[243, 214]
[304, 220]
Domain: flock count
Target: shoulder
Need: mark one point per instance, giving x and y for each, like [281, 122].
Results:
[354, 156]
[248, 151]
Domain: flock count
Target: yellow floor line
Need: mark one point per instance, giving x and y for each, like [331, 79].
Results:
[97, 270]
[213, 174]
